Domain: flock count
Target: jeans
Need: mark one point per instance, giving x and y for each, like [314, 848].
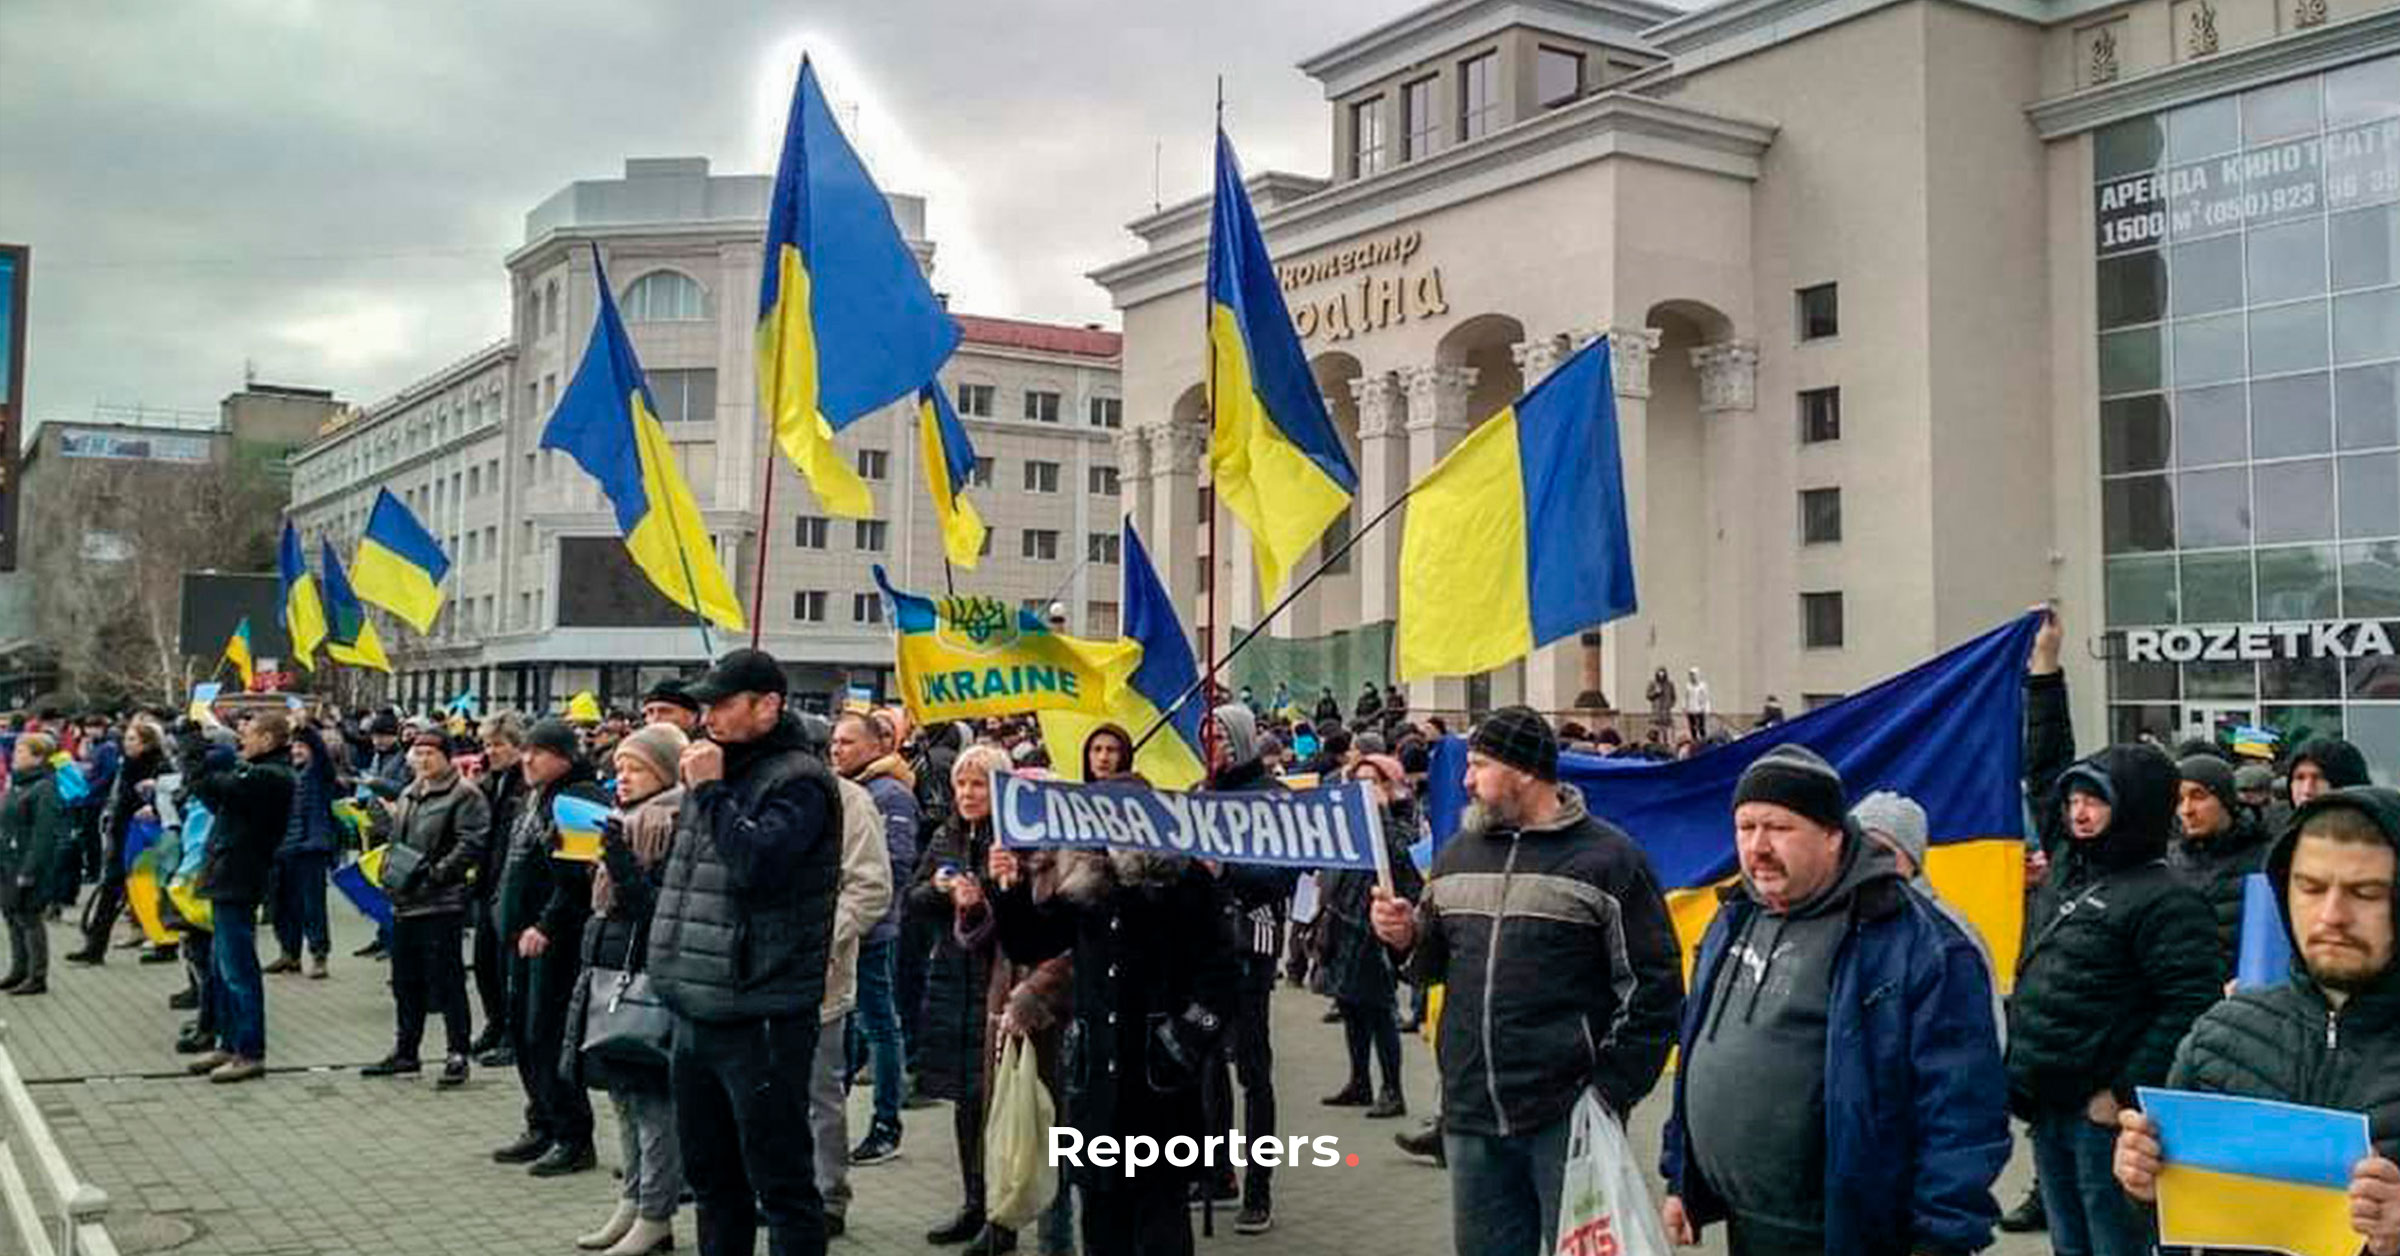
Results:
[829, 1116]
[198, 951]
[426, 976]
[539, 990]
[653, 1157]
[234, 980]
[876, 1024]
[300, 904]
[1253, 1057]
[2089, 1213]
[1504, 1191]
[741, 1111]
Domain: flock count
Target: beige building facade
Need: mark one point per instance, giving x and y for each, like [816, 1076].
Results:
[1910, 306]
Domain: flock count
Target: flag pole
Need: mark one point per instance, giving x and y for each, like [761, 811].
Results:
[683, 553]
[1208, 320]
[1259, 629]
[766, 511]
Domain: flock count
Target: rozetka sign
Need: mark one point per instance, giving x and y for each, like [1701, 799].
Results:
[2245, 643]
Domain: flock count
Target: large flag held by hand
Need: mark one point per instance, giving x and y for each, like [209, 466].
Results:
[399, 566]
[949, 465]
[608, 423]
[1272, 452]
[846, 320]
[964, 658]
[303, 610]
[349, 635]
[1163, 671]
[1517, 538]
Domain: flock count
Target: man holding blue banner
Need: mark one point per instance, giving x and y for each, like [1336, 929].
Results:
[2330, 1036]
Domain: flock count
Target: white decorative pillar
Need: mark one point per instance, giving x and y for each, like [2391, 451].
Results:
[1537, 357]
[1133, 480]
[1437, 418]
[1383, 472]
[1174, 531]
[1728, 375]
[1623, 655]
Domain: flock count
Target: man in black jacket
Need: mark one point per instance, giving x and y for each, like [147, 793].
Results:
[1561, 970]
[543, 904]
[503, 786]
[738, 947]
[2112, 980]
[251, 800]
[2222, 843]
[1255, 896]
[2330, 1036]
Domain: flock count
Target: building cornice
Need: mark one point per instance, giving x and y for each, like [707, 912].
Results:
[1444, 26]
[1738, 28]
[1612, 124]
[1268, 187]
[2302, 52]
[563, 237]
[497, 354]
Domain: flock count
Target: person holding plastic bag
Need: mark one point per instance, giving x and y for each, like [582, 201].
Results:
[1886, 1146]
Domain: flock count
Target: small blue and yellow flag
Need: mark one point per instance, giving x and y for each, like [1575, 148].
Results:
[1163, 671]
[1518, 538]
[237, 652]
[349, 634]
[2255, 1173]
[399, 566]
[1276, 461]
[608, 424]
[949, 460]
[303, 612]
[847, 322]
[964, 658]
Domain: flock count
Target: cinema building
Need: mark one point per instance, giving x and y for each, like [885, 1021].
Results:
[1920, 311]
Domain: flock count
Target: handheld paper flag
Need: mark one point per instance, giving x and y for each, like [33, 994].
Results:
[579, 821]
[399, 566]
[303, 612]
[2254, 1173]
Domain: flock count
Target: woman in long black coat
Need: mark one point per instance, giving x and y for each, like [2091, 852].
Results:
[950, 1053]
[1357, 969]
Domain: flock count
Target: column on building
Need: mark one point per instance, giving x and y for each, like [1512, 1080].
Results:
[1383, 474]
[1728, 371]
[1622, 663]
[1437, 418]
[1174, 532]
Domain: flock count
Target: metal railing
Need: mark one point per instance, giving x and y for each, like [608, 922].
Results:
[54, 1212]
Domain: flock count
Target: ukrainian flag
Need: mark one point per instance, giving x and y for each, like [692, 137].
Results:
[399, 566]
[1518, 537]
[2253, 1173]
[303, 613]
[1164, 671]
[846, 320]
[608, 424]
[350, 635]
[1272, 452]
[237, 652]
[949, 463]
[965, 658]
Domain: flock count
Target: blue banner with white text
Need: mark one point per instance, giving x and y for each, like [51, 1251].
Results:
[1335, 827]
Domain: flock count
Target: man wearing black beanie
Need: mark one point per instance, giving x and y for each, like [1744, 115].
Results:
[2220, 845]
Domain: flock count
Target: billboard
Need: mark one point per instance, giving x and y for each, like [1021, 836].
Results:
[215, 602]
[15, 265]
[607, 590]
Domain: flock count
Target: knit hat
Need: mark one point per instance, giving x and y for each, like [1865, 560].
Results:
[660, 747]
[2213, 774]
[1519, 737]
[556, 736]
[2340, 761]
[1794, 777]
[1897, 817]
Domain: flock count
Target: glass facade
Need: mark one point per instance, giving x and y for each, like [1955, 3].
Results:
[2248, 287]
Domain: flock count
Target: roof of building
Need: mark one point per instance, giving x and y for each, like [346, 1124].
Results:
[1088, 341]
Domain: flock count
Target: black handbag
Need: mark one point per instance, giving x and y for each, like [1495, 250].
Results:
[624, 1023]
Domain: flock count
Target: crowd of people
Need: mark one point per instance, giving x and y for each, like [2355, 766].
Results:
[779, 908]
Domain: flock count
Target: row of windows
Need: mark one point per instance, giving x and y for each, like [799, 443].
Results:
[874, 536]
[662, 296]
[1559, 77]
[1040, 476]
[1041, 406]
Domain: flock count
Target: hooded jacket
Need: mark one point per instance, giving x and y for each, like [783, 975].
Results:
[33, 825]
[892, 784]
[2216, 866]
[2126, 958]
[1256, 895]
[251, 801]
[1561, 966]
[1910, 1091]
[2290, 1042]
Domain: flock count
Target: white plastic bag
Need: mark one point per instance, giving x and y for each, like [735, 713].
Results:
[1604, 1206]
[1019, 1180]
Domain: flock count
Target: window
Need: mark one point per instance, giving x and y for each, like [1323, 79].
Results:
[986, 551]
[1041, 407]
[685, 396]
[808, 605]
[549, 392]
[975, 400]
[1108, 412]
[866, 608]
[1820, 516]
[1366, 137]
[873, 464]
[1557, 76]
[871, 534]
[550, 308]
[982, 478]
[1042, 544]
[1478, 96]
[663, 296]
[810, 532]
[1420, 124]
[1820, 311]
[1101, 547]
[1104, 481]
[1820, 415]
[1041, 477]
[1100, 620]
[1821, 621]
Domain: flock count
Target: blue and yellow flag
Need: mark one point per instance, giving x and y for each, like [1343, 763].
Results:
[303, 613]
[1272, 452]
[1163, 671]
[965, 658]
[608, 424]
[846, 320]
[349, 634]
[399, 566]
[949, 460]
[1518, 537]
[237, 652]
[2253, 1173]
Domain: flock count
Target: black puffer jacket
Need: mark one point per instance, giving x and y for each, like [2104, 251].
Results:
[251, 801]
[2125, 961]
[2290, 1043]
[2216, 867]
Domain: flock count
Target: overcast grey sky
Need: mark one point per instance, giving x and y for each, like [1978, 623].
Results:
[325, 188]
